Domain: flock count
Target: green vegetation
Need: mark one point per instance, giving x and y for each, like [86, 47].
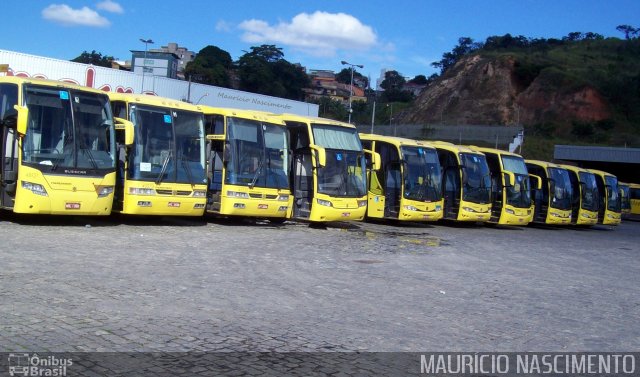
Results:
[611, 66]
[94, 58]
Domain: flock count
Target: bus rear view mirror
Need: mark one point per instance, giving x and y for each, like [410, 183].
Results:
[465, 177]
[374, 159]
[10, 119]
[536, 181]
[125, 126]
[22, 115]
[321, 155]
[509, 179]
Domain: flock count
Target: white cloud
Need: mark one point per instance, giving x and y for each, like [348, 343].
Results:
[110, 6]
[320, 33]
[65, 15]
[223, 26]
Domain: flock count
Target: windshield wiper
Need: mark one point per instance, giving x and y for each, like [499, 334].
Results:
[256, 174]
[88, 152]
[187, 168]
[67, 139]
[163, 170]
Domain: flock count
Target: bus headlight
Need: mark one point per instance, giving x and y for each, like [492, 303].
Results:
[141, 191]
[468, 209]
[238, 194]
[283, 198]
[199, 193]
[510, 211]
[325, 203]
[362, 203]
[104, 191]
[411, 208]
[34, 188]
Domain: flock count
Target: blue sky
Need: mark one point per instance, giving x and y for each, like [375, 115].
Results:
[403, 35]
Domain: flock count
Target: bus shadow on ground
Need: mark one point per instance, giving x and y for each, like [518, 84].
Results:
[100, 221]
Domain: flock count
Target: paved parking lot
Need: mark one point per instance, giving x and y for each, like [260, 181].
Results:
[116, 284]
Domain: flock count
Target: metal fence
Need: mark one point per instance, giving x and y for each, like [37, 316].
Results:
[496, 136]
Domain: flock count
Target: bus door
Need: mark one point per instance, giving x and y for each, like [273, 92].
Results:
[390, 178]
[540, 197]
[451, 183]
[302, 175]
[497, 187]
[577, 197]
[8, 144]
[214, 126]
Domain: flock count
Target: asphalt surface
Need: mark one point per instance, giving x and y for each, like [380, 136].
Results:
[184, 285]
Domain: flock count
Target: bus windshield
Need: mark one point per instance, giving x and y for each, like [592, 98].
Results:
[421, 174]
[560, 188]
[613, 198]
[477, 185]
[344, 172]
[518, 195]
[68, 129]
[590, 199]
[169, 145]
[257, 154]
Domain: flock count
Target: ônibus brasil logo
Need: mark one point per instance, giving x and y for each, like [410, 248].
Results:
[24, 364]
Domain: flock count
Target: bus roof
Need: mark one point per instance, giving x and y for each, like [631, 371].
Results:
[544, 164]
[44, 82]
[397, 141]
[452, 147]
[494, 151]
[576, 169]
[244, 113]
[153, 101]
[310, 119]
[602, 173]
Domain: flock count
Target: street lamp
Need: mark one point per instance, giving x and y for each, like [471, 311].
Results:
[144, 62]
[351, 85]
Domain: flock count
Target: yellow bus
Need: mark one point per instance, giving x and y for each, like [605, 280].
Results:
[634, 199]
[584, 201]
[161, 168]
[625, 199]
[510, 187]
[248, 164]
[407, 186]
[553, 200]
[609, 212]
[58, 147]
[328, 169]
[466, 182]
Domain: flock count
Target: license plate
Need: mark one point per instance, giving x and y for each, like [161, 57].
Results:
[72, 206]
[174, 204]
[346, 214]
[263, 206]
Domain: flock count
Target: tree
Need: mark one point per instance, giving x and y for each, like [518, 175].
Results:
[359, 80]
[392, 80]
[628, 30]
[419, 80]
[211, 66]
[264, 70]
[94, 58]
[449, 59]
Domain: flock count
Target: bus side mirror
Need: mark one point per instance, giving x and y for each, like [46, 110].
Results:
[126, 127]
[16, 119]
[536, 181]
[10, 119]
[321, 155]
[509, 178]
[374, 158]
[465, 177]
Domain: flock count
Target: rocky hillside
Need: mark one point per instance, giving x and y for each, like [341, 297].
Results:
[588, 91]
[486, 91]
